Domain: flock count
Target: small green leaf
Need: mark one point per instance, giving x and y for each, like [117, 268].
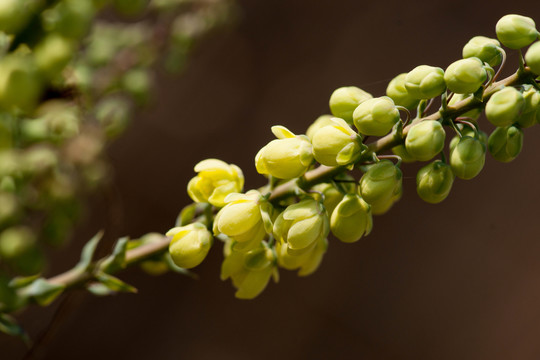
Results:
[22, 281]
[42, 291]
[8, 325]
[114, 284]
[88, 252]
[117, 260]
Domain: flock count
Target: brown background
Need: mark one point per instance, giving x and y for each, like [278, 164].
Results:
[458, 280]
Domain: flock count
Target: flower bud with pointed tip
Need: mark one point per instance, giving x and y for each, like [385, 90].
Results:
[531, 110]
[516, 31]
[249, 271]
[486, 49]
[504, 107]
[425, 140]
[381, 186]
[301, 225]
[345, 99]
[189, 245]
[434, 182]
[505, 144]
[215, 180]
[468, 158]
[465, 76]
[397, 91]
[241, 220]
[287, 157]
[321, 121]
[376, 116]
[425, 82]
[532, 58]
[336, 144]
[351, 219]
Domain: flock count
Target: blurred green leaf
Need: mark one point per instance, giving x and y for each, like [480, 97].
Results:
[88, 252]
[117, 260]
[114, 284]
[99, 289]
[9, 326]
[42, 291]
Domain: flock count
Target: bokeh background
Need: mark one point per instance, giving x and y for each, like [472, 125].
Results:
[458, 280]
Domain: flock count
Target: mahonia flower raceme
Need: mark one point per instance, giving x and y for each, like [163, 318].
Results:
[301, 225]
[189, 245]
[215, 180]
[249, 271]
[242, 220]
[287, 157]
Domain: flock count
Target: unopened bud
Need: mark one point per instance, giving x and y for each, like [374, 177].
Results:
[434, 182]
[425, 82]
[504, 107]
[505, 144]
[376, 116]
[425, 140]
[516, 31]
[344, 101]
[465, 76]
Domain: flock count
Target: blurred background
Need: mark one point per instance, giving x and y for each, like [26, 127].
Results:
[458, 280]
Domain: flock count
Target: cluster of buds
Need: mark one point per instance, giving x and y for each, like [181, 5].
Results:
[286, 224]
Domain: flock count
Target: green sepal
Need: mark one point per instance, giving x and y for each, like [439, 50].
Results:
[9, 326]
[266, 215]
[88, 251]
[114, 284]
[188, 213]
[397, 131]
[117, 260]
[42, 291]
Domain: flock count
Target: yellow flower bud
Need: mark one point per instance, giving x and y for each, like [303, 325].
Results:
[532, 57]
[301, 225]
[321, 121]
[397, 91]
[434, 182]
[287, 157]
[381, 186]
[425, 140]
[249, 271]
[468, 157]
[516, 31]
[345, 99]
[401, 151]
[215, 180]
[531, 110]
[351, 219]
[190, 244]
[241, 220]
[336, 144]
[306, 262]
[376, 116]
